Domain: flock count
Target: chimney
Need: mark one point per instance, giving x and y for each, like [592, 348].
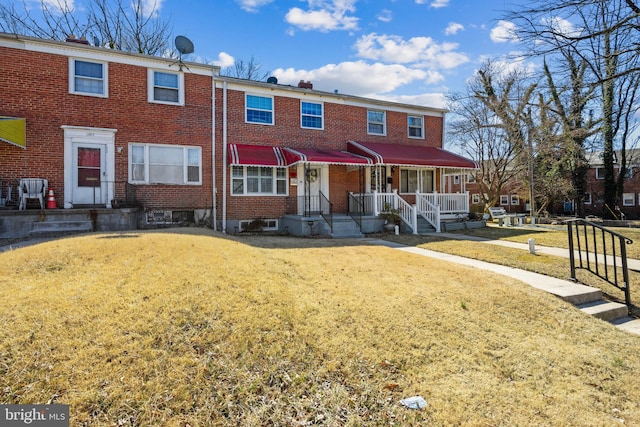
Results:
[305, 85]
[81, 40]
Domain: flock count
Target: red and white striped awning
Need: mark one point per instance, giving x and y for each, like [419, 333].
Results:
[258, 155]
[410, 155]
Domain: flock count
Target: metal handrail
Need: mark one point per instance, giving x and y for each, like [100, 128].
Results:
[326, 210]
[356, 208]
[583, 246]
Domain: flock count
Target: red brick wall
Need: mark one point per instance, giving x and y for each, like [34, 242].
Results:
[35, 86]
[341, 124]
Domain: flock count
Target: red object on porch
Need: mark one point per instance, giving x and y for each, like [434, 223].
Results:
[258, 155]
[51, 201]
[335, 157]
[410, 155]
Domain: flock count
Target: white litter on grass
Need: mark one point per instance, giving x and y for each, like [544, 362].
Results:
[414, 402]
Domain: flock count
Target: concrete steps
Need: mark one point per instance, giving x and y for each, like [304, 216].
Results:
[344, 227]
[604, 310]
[59, 228]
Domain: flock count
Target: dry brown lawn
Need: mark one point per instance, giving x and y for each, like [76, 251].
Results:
[190, 328]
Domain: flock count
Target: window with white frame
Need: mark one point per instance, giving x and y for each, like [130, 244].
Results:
[416, 127]
[376, 121]
[412, 180]
[504, 200]
[628, 173]
[515, 200]
[258, 180]
[456, 179]
[599, 173]
[311, 115]
[87, 78]
[475, 198]
[628, 199]
[587, 198]
[165, 164]
[471, 178]
[165, 88]
[259, 109]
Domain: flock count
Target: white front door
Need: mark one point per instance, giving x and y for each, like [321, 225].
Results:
[89, 166]
[89, 174]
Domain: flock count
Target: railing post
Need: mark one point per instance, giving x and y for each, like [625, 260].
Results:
[395, 198]
[375, 203]
[414, 219]
[572, 260]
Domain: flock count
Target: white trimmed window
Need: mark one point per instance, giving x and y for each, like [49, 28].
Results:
[416, 127]
[311, 115]
[412, 180]
[165, 164]
[599, 173]
[88, 78]
[515, 200]
[456, 179]
[376, 122]
[587, 198]
[504, 200]
[259, 109]
[628, 199]
[475, 198]
[258, 180]
[165, 88]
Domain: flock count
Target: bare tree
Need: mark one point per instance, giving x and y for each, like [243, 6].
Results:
[488, 125]
[602, 35]
[118, 24]
[249, 70]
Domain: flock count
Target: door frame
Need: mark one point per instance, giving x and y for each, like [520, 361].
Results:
[88, 136]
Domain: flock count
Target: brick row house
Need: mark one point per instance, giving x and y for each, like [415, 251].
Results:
[176, 141]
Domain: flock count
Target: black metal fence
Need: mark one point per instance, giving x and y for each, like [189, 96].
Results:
[600, 251]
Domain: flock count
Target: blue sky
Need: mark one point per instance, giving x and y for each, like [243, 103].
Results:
[409, 51]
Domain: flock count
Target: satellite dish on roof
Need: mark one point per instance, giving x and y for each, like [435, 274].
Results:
[184, 45]
[272, 80]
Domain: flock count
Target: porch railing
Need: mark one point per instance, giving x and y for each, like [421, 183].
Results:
[356, 203]
[449, 203]
[429, 210]
[608, 250]
[326, 210]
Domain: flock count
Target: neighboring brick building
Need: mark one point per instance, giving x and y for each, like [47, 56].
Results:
[103, 124]
[97, 119]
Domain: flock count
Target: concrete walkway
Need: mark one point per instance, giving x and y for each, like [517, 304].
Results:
[575, 293]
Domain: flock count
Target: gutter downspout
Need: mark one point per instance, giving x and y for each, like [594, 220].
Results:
[214, 189]
[224, 157]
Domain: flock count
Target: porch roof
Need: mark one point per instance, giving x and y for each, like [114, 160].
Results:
[410, 155]
[258, 155]
[335, 157]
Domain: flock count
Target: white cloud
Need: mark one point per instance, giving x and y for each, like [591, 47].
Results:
[385, 15]
[435, 100]
[59, 6]
[151, 7]
[324, 16]
[561, 26]
[354, 78]
[224, 60]
[504, 32]
[252, 5]
[439, 3]
[453, 28]
[425, 50]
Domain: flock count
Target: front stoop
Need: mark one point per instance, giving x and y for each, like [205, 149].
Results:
[345, 227]
[605, 310]
[59, 228]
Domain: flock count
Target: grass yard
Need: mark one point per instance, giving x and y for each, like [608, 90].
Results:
[190, 328]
